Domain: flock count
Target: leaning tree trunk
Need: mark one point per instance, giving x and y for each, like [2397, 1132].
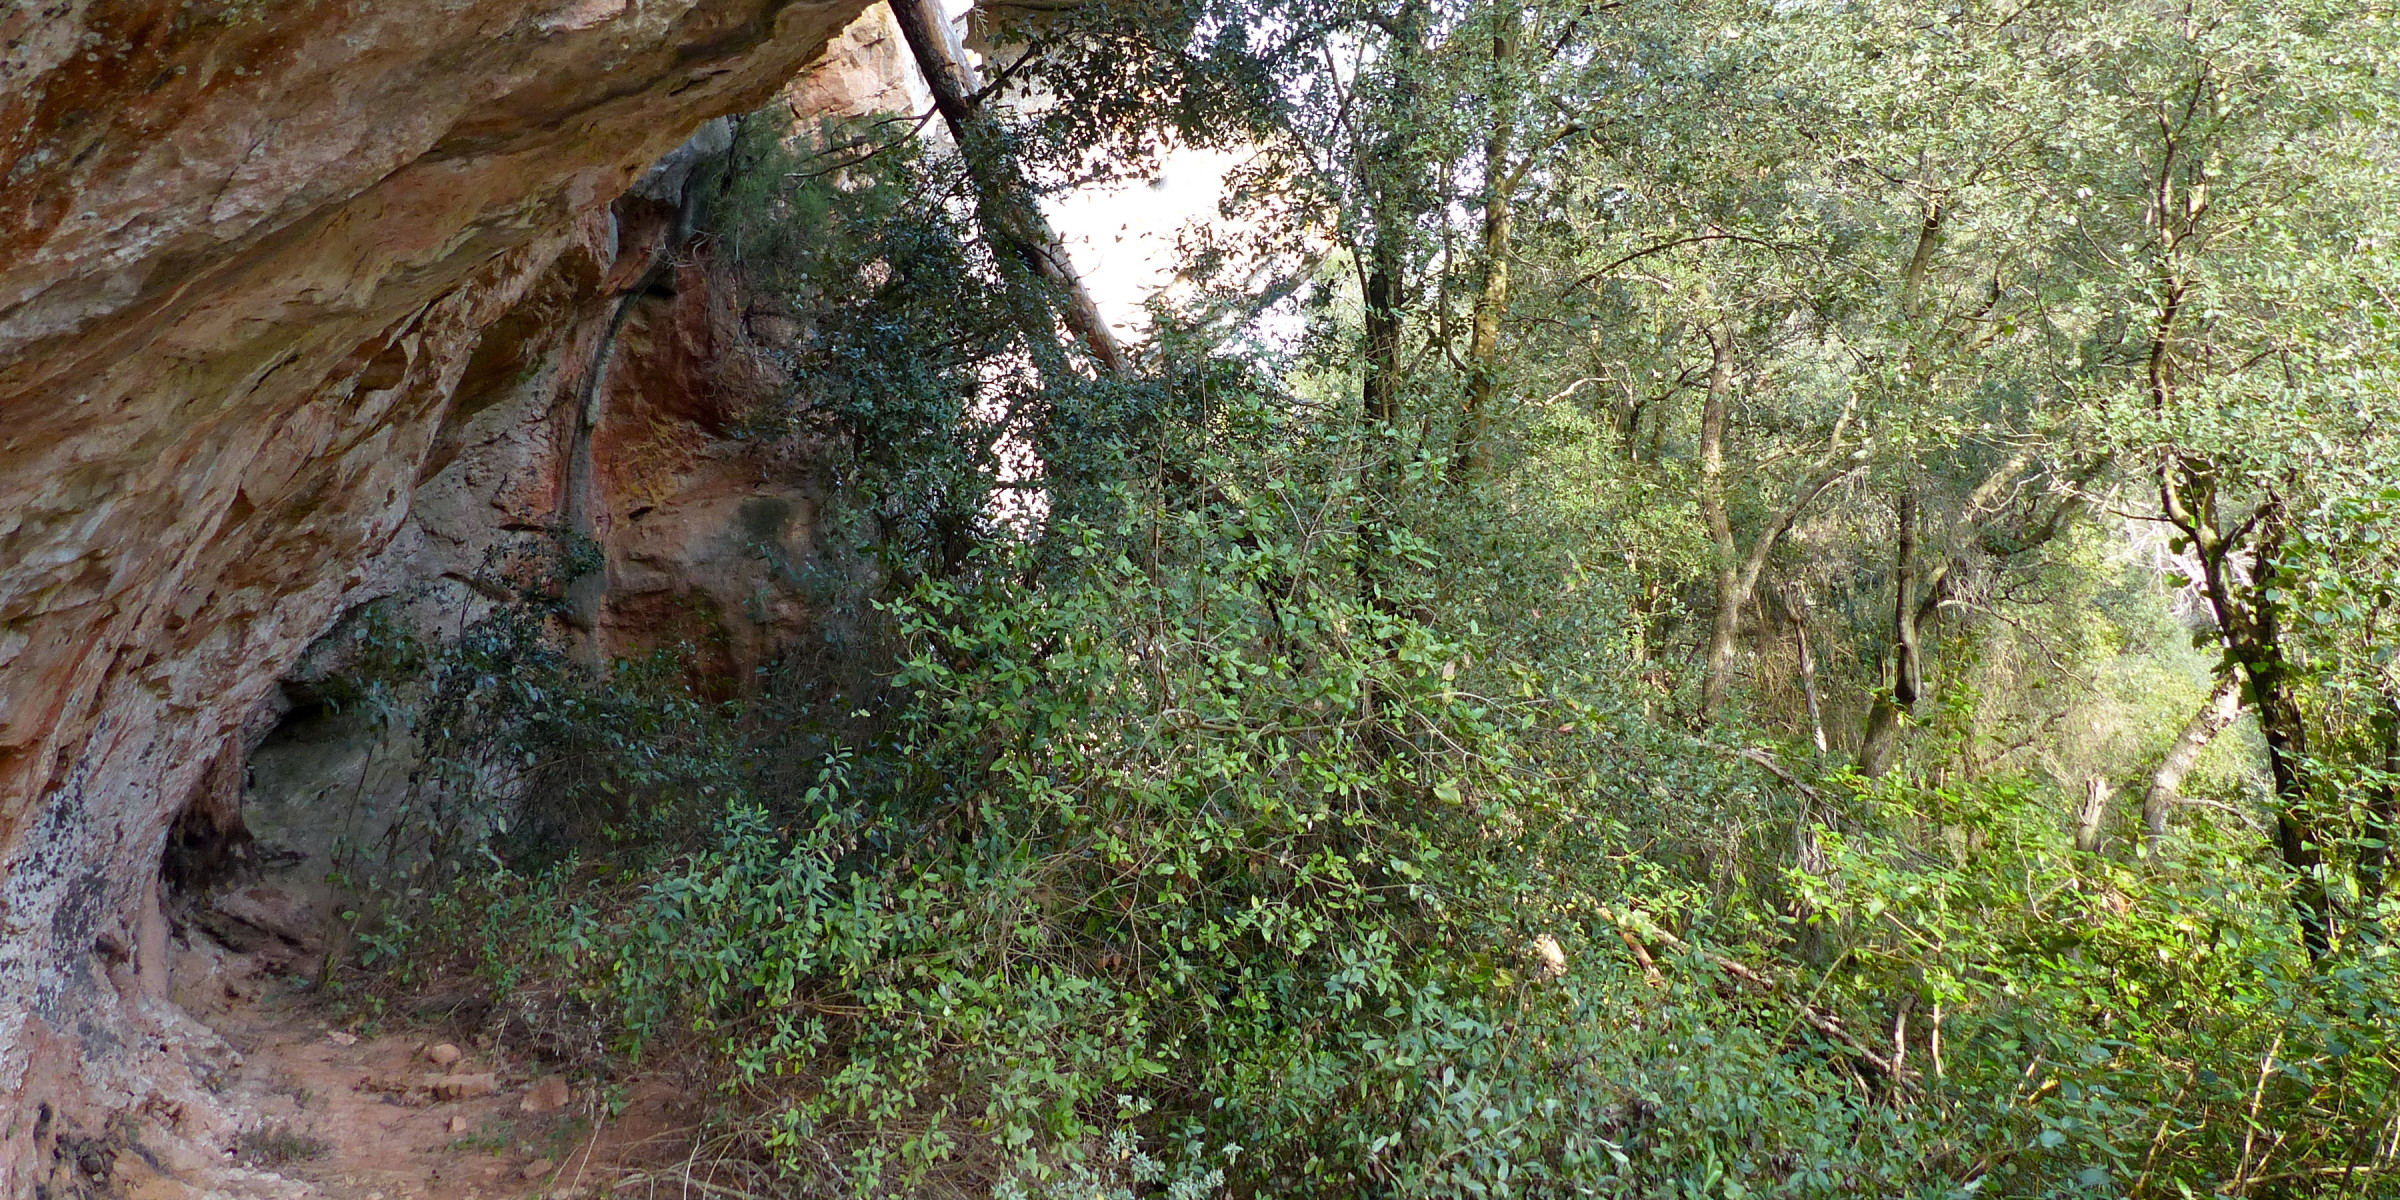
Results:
[2253, 633]
[2287, 748]
[1003, 201]
[2166, 783]
[1738, 571]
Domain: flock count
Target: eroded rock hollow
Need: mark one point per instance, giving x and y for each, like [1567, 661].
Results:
[302, 305]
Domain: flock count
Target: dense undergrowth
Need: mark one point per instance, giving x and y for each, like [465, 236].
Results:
[1197, 851]
[1187, 871]
[1278, 807]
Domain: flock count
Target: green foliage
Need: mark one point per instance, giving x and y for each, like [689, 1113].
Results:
[2127, 1022]
[894, 329]
[1192, 866]
[1316, 791]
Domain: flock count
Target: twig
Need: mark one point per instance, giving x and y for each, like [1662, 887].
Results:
[2266, 1068]
[1781, 773]
[1641, 955]
[1815, 1017]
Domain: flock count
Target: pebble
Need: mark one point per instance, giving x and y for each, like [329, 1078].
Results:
[341, 1038]
[442, 1054]
[538, 1168]
[460, 1087]
[458, 1124]
[549, 1095]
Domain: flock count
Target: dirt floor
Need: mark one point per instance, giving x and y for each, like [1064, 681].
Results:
[429, 1113]
[375, 1119]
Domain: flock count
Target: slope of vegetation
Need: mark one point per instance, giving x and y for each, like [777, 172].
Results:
[1705, 667]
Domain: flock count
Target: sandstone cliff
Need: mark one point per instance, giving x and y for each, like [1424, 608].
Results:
[303, 304]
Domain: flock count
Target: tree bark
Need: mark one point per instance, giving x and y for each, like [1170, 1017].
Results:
[1380, 389]
[1796, 602]
[1907, 671]
[1738, 571]
[1391, 178]
[1882, 741]
[1491, 300]
[2166, 783]
[2383, 810]
[2253, 634]
[1727, 623]
[1379, 400]
[2187, 486]
[1006, 205]
[1920, 261]
[2091, 816]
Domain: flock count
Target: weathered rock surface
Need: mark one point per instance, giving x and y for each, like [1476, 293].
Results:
[605, 405]
[291, 294]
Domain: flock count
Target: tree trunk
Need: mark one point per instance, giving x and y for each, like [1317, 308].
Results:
[1796, 601]
[2091, 816]
[2253, 635]
[2166, 783]
[1392, 179]
[1006, 205]
[1882, 741]
[1880, 744]
[1737, 571]
[2383, 810]
[1379, 401]
[1727, 624]
[1483, 345]
[1907, 671]
[2295, 842]
[2187, 485]
[1380, 390]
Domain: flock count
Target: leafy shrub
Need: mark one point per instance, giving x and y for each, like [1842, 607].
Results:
[1195, 860]
[1202, 843]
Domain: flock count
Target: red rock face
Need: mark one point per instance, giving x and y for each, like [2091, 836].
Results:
[609, 404]
[260, 263]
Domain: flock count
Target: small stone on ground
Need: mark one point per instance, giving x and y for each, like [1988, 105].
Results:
[549, 1095]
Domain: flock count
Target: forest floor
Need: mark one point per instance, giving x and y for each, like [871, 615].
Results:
[421, 1113]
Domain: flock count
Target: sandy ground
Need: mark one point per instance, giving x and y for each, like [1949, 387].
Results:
[389, 1116]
